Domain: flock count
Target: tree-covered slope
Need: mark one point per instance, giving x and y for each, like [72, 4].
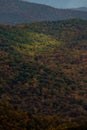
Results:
[43, 72]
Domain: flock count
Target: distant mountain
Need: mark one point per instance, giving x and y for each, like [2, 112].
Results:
[17, 11]
[81, 9]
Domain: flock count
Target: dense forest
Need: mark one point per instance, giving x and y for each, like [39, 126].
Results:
[43, 76]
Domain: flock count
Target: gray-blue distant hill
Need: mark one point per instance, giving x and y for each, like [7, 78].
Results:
[17, 12]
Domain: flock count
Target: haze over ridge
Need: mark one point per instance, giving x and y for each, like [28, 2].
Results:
[62, 3]
[19, 11]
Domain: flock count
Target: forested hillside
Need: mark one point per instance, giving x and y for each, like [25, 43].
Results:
[43, 76]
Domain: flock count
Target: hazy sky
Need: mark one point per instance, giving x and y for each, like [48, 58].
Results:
[62, 3]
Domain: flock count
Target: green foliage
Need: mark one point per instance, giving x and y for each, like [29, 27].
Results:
[43, 70]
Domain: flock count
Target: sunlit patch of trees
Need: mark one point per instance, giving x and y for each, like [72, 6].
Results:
[43, 76]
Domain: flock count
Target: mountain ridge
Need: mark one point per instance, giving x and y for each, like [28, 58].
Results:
[16, 12]
[81, 9]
